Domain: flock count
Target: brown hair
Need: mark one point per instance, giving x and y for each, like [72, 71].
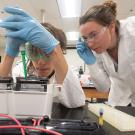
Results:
[103, 14]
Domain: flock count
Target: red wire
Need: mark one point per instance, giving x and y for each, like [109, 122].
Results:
[15, 120]
[39, 121]
[34, 122]
[31, 127]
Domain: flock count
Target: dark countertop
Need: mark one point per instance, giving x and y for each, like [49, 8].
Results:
[82, 113]
[128, 110]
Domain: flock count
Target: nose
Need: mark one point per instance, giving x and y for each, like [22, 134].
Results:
[41, 62]
[90, 44]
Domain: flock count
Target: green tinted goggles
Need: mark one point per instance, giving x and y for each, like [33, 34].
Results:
[40, 56]
[35, 54]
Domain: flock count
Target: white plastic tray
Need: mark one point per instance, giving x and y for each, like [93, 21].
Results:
[27, 103]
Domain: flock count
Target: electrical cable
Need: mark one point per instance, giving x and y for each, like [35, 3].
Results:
[15, 120]
[22, 127]
[39, 121]
[31, 127]
[34, 122]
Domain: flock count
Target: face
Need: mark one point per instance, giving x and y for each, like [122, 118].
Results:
[43, 65]
[97, 37]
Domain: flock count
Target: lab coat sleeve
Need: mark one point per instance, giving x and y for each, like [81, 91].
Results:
[129, 28]
[71, 94]
[99, 76]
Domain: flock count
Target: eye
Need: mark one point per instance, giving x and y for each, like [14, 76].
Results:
[84, 38]
[92, 35]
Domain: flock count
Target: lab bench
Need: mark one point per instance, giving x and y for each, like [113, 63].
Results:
[92, 92]
[82, 113]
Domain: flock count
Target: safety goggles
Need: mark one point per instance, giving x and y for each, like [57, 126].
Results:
[93, 36]
[35, 54]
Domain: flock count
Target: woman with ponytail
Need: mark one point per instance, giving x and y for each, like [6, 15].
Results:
[107, 46]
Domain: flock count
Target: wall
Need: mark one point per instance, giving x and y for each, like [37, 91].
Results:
[74, 60]
[2, 45]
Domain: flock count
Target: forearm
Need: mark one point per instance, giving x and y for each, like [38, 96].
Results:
[60, 64]
[6, 66]
[99, 78]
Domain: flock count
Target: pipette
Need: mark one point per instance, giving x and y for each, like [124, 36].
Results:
[23, 54]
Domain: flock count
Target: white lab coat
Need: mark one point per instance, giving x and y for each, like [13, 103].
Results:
[122, 82]
[71, 94]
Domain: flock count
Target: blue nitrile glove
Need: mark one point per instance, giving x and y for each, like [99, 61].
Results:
[85, 53]
[12, 46]
[25, 27]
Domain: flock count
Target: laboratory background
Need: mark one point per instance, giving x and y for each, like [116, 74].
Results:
[77, 106]
[63, 18]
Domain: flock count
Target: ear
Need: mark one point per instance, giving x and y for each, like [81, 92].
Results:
[112, 27]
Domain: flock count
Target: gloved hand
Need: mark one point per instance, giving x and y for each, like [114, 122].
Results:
[25, 27]
[85, 53]
[12, 46]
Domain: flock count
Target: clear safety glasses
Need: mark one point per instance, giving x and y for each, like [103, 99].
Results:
[93, 36]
